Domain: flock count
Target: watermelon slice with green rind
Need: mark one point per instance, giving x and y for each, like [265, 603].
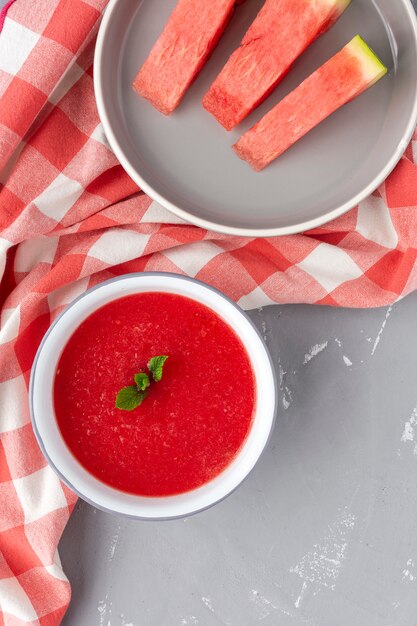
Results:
[280, 33]
[344, 77]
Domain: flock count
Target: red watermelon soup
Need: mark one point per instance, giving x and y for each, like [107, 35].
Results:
[192, 422]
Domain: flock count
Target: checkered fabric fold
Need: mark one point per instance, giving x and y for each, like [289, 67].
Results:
[70, 217]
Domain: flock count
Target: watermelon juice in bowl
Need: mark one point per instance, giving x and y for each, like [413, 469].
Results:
[153, 396]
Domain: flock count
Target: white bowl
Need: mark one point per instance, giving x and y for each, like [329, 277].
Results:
[66, 465]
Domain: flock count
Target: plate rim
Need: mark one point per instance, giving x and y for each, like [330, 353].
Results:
[216, 226]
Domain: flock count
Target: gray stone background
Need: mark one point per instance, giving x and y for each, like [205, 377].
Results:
[323, 532]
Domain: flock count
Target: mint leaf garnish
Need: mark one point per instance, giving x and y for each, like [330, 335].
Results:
[142, 381]
[155, 367]
[129, 398]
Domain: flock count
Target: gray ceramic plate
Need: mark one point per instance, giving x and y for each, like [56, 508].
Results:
[185, 161]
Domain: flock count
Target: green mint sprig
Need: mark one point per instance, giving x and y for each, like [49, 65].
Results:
[129, 398]
[132, 396]
[142, 381]
[155, 367]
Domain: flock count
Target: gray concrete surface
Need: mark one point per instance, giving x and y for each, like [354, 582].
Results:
[324, 530]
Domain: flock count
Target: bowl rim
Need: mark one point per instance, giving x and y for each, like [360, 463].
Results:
[216, 226]
[33, 417]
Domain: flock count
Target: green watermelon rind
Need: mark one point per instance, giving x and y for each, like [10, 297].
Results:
[372, 66]
[340, 5]
[343, 4]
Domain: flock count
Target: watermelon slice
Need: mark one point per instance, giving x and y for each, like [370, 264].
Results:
[344, 77]
[189, 37]
[282, 30]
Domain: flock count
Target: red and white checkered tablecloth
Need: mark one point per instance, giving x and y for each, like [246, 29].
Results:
[70, 217]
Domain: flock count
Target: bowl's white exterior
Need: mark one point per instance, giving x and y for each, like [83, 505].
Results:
[65, 464]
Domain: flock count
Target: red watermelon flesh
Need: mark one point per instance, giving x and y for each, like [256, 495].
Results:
[282, 30]
[189, 37]
[345, 76]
